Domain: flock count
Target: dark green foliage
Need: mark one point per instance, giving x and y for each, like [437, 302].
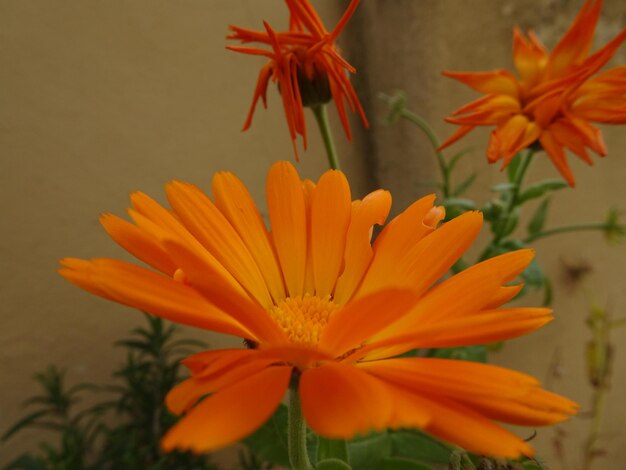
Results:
[122, 432]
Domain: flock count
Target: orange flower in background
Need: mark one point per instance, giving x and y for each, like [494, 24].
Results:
[317, 300]
[305, 63]
[555, 99]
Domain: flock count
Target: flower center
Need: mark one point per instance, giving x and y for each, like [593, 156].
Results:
[303, 318]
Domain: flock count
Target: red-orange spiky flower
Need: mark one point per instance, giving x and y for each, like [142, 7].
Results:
[555, 99]
[306, 64]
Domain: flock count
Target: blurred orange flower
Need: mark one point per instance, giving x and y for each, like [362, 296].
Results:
[307, 65]
[554, 100]
[316, 300]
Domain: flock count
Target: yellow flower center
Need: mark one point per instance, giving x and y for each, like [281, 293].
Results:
[303, 318]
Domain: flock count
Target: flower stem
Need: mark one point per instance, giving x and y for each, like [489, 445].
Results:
[298, 454]
[434, 141]
[513, 195]
[567, 228]
[322, 122]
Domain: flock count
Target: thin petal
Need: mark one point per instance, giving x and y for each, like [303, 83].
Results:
[330, 216]
[203, 273]
[496, 82]
[557, 155]
[231, 413]
[373, 209]
[287, 211]
[154, 293]
[234, 201]
[209, 226]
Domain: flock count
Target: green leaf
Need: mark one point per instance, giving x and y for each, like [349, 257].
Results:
[417, 445]
[456, 157]
[502, 187]
[511, 169]
[539, 189]
[23, 423]
[538, 219]
[465, 185]
[367, 453]
[547, 292]
[399, 463]
[270, 441]
[533, 276]
[466, 204]
[332, 464]
[331, 449]
[476, 353]
[26, 462]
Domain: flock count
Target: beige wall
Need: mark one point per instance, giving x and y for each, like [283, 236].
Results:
[98, 99]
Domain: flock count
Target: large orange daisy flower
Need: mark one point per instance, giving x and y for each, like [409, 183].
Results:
[555, 99]
[307, 65]
[318, 302]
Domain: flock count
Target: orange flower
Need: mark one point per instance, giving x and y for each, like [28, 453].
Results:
[307, 65]
[316, 300]
[555, 99]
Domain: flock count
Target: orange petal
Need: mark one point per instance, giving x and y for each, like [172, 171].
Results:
[482, 328]
[234, 201]
[557, 155]
[360, 319]
[529, 57]
[231, 369]
[495, 392]
[209, 226]
[373, 209]
[340, 401]
[330, 217]
[138, 243]
[230, 414]
[204, 274]
[458, 134]
[287, 211]
[394, 241]
[496, 81]
[574, 47]
[463, 427]
[154, 293]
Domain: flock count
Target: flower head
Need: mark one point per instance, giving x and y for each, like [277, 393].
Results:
[305, 63]
[554, 100]
[317, 300]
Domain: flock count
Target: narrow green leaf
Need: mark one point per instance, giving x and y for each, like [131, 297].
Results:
[538, 219]
[466, 204]
[456, 157]
[332, 464]
[547, 292]
[502, 187]
[465, 185]
[26, 421]
[511, 169]
[539, 189]
[331, 449]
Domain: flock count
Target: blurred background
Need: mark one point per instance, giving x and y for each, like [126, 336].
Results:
[99, 99]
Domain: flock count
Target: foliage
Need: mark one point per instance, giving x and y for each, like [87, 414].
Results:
[87, 439]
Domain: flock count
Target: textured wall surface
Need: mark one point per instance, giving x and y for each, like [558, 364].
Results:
[405, 44]
[98, 99]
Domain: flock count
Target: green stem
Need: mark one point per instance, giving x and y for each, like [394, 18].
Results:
[512, 201]
[298, 454]
[322, 122]
[565, 229]
[434, 141]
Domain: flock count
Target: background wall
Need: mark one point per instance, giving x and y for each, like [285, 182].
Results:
[98, 99]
